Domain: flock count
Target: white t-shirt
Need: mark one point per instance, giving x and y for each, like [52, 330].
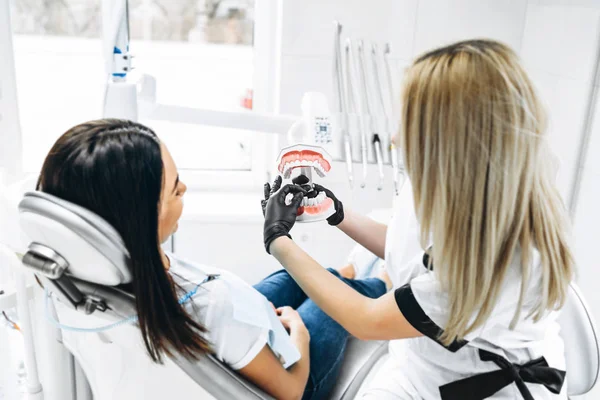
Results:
[240, 322]
[420, 367]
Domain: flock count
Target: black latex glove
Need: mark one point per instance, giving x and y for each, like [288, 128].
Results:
[338, 217]
[269, 191]
[302, 181]
[279, 217]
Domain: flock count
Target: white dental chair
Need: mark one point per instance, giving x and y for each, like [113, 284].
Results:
[582, 348]
[81, 260]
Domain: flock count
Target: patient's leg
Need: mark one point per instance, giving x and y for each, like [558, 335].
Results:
[328, 339]
[282, 290]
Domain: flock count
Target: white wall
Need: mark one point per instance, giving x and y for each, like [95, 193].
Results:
[411, 26]
[559, 47]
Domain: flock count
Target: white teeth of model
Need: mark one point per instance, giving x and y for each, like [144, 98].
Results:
[304, 202]
[312, 202]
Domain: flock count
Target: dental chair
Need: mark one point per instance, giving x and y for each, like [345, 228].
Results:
[81, 260]
[82, 264]
[582, 346]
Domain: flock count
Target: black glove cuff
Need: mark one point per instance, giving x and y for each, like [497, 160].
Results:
[272, 237]
[338, 217]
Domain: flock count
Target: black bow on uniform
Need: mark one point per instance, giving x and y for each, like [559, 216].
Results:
[484, 385]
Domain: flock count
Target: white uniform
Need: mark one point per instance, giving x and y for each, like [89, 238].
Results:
[492, 362]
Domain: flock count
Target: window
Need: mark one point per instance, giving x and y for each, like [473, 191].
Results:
[199, 51]
[59, 70]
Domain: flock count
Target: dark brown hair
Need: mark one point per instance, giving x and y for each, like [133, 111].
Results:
[114, 168]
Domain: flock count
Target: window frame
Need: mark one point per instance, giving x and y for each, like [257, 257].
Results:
[266, 78]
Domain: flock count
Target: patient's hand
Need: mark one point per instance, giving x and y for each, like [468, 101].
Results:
[293, 323]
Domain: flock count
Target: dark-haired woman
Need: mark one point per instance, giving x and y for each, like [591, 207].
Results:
[123, 173]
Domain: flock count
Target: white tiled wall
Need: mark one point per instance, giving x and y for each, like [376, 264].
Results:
[559, 48]
[557, 40]
[444, 22]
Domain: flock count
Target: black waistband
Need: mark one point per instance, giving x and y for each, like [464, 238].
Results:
[484, 385]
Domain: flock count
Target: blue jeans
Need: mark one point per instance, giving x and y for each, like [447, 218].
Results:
[327, 337]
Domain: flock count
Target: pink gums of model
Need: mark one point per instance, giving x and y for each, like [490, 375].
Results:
[316, 206]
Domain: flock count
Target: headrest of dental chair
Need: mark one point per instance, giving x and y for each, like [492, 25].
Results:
[91, 248]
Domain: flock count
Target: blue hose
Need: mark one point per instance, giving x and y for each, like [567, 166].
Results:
[129, 320]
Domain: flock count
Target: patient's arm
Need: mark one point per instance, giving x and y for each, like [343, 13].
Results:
[266, 371]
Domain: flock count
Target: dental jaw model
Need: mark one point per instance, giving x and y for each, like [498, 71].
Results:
[303, 159]
[312, 139]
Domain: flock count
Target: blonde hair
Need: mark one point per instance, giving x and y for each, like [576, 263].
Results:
[472, 133]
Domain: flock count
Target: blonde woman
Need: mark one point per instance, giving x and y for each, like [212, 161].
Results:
[481, 301]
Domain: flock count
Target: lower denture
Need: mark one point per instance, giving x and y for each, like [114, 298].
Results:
[319, 208]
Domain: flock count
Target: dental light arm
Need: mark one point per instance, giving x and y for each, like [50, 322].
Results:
[120, 97]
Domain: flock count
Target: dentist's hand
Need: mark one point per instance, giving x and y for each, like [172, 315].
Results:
[279, 216]
[338, 217]
[269, 191]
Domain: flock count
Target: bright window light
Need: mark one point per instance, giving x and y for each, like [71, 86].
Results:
[199, 51]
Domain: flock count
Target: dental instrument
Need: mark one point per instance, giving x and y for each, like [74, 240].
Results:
[354, 90]
[380, 112]
[340, 101]
[369, 112]
[396, 167]
[348, 81]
